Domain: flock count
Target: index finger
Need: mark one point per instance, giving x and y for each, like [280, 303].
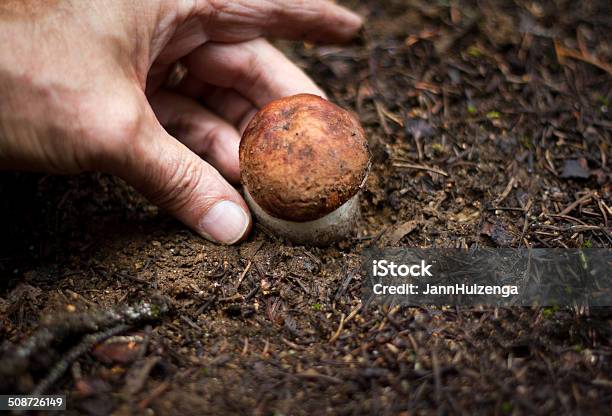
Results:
[312, 20]
[255, 69]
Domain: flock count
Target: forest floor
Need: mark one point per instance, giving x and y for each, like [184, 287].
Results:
[489, 125]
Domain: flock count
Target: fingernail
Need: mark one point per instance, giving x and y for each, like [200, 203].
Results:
[226, 222]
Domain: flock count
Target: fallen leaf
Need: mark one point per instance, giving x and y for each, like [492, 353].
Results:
[401, 231]
[466, 215]
[89, 386]
[119, 349]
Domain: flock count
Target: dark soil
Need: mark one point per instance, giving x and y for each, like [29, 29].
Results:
[489, 125]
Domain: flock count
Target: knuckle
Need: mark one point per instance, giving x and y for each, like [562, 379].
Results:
[201, 136]
[178, 187]
[257, 67]
[181, 126]
[212, 135]
[217, 6]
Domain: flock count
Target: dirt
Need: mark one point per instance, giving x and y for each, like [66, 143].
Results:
[489, 125]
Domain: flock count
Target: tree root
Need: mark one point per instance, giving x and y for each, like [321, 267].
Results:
[16, 360]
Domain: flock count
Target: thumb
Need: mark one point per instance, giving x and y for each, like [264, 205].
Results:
[174, 178]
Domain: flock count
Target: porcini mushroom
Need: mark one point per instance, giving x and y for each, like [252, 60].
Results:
[303, 161]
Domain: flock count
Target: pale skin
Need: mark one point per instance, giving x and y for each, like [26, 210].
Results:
[84, 86]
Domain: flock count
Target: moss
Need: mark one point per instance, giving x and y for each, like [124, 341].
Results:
[474, 51]
[549, 311]
[438, 149]
[155, 311]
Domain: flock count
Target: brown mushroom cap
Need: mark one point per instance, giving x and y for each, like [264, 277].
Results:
[302, 157]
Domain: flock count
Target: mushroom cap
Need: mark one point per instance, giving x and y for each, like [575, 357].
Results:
[302, 157]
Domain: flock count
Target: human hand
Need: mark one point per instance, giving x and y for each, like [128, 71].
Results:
[84, 86]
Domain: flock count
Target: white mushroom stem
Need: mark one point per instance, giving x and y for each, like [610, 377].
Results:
[335, 226]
